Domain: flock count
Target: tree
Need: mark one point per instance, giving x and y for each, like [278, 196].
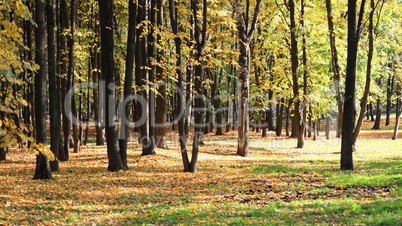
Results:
[42, 170]
[54, 109]
[108, 73]
[354, 31]
[161, 104]
[128, 81]
[200, 38]
[246, 28]
[143, 78]
[335, 66]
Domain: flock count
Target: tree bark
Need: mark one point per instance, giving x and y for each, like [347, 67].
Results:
[368, 77]
[200, 36]
[161, 105]
[335, 67]
[54, 109]
[42, 170]
[398, 118]
[173, 11]
[246, 30]
[128, 82]
[390, 91]
[64, 152]
[377, 122]
[297, 117]
[347, 145]
[108, 73]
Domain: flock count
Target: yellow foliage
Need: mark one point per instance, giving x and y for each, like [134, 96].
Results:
[45, 150]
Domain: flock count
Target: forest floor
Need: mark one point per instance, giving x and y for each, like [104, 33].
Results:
[276, 184]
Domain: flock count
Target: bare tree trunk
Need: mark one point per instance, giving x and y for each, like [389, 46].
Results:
[173, 11]
[377, 122]
[354, 29]
[108, 72]
[398, 118]
[246, 32]
[328, 122]
[368, 78]
[390, 90]
[128, 83]
[42, 170]
[297, 121]
[335, 67]
[54, 109]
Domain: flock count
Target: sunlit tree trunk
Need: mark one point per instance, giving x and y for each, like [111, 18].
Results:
[246, 28]
[297, 120]
[335, 67]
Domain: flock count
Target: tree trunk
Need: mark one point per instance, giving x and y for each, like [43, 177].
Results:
[108, 74]
[173, 11]
[70, 82]
[245, 32]
[390, 90]
[128, 83]
[199, 75]
[377, 122]
[397, 120]
[297, 117]
[328, 122]
[371, 112]
[335, 67]
[64, 152]
[368, 77]
[161, 105]
[279, 117]
[3, 154]
[54, 109]
[347, 145]
[145, 75]
[42, 170]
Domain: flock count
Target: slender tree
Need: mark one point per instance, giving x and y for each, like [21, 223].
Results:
[335, 66]
[42, 170]
[354, 31]
[246, 28]
[174, 20]
[108, 73]
[53, 92]
[128, 80]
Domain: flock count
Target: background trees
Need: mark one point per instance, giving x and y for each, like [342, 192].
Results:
[278, 65]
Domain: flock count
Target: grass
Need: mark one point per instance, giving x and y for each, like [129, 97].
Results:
[276, 185]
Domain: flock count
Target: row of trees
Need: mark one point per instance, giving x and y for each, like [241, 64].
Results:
[268, 64]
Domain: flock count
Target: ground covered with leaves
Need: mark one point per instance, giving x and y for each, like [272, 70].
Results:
[277, 184]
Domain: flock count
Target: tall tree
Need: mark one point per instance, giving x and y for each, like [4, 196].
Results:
[108, 73]
[200, 36]
[54, 109]
[161, 104]
[42, 170]
[354, 31]
[297, 121]
[174, 20]
[143, 78]
[128, 80]
[246, 28]
[335, 66]
[63, 27]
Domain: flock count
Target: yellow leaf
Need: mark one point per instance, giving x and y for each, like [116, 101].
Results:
[36, 67]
